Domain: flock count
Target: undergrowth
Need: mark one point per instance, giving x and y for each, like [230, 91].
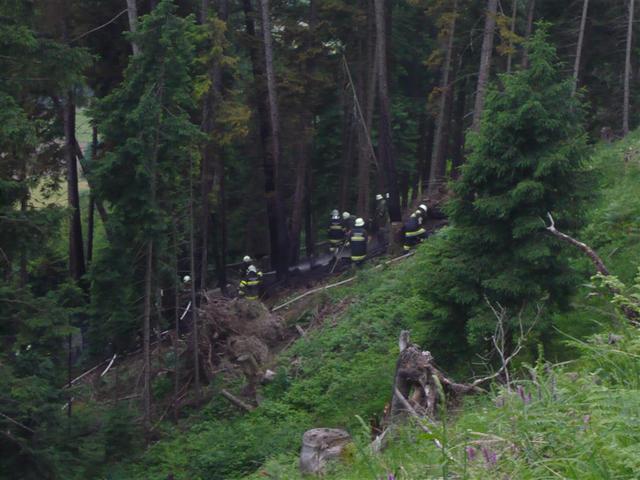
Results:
[578, 419]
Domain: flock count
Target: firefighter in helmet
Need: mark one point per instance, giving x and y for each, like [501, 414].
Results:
[358, 240]
[335, 232]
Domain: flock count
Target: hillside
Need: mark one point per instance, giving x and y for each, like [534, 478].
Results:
[567, 416]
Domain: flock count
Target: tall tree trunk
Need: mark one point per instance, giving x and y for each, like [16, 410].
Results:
[531, 8]
[132, 12]
[385, 147]
[76, 249]
[576, 65]
[348, 126]
[514, 13]
[439, 156]
[146, 339]
[485, 62]
[457, 151]
[305, 143]
[368, 81]
[275, 207]
[212, 168]
[176, 320]
[148, 282]
[627, 70]
[192, 265]
[309, 227]
[421, 153]
[92, 200]
[424, 174]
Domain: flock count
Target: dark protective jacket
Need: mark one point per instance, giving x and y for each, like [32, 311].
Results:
[250, 285]
[382, 215]
[413, 232]
[348, 224]
[335, 231]
[358, 239]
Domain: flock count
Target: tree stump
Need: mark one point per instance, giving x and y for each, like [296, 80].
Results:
[319, 446]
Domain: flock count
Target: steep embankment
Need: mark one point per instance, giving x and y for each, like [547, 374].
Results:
[575, 420]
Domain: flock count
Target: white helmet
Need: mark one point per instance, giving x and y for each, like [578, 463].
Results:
[246, 259]
[413, 215]
[346, 215]
[186, 279]
[335, 213]
[253, 269]
[418, 213]
[379, 197]
[359, 222]
[423, 207]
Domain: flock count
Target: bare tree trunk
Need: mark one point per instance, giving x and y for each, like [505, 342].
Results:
[76, 248]
[148, 282]
[514, 13]
[531, 8]
[279, 236]
[305, 143]
[485, 62]
[132, 12]
[23, 248]
[176, 321]
[576, 65]
[92, 200]
[212, 168]
[439, 157]
[385, 146]
[627, 70]
[457, 151]
[310, 231]
[194, 305]
[421, 154]
[146, 334]
[368, 81]
[347, 151]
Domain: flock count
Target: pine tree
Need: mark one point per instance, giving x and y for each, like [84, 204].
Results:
[525, 160]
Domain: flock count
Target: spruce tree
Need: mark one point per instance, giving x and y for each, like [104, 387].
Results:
[150, 141]
[525, 161]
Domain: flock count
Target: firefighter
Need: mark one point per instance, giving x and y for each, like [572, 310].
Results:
[244, 266]
[413, 232]
[250, 283]
[380, 219]
[358, 240]
[347, 223]
[335, 232]
[422, 218]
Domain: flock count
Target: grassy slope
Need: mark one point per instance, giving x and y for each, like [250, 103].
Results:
[574, 427]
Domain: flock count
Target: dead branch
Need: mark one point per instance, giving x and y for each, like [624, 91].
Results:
[631, 314]
[415, 415]
[236, 401]
[113, 359]
[16, 422]
[595, 258]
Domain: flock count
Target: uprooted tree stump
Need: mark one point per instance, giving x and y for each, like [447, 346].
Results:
[319, 446]
[418, 382]
[237, 333]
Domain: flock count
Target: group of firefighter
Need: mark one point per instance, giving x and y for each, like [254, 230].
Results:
[347, 230]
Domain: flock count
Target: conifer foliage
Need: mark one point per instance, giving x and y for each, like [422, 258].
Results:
[526, 160]
[151, 143]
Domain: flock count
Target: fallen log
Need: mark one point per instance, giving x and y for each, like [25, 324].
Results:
[236, 401]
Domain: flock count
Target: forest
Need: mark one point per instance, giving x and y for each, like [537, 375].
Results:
[150, 150]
